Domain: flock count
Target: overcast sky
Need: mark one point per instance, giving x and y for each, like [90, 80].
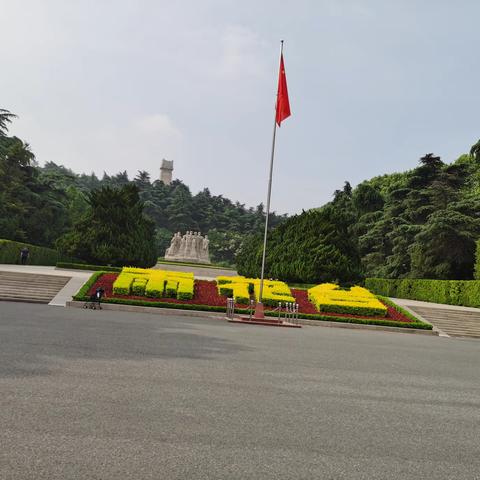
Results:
[120, 84]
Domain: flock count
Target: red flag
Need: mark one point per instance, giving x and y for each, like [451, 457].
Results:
[283, 105]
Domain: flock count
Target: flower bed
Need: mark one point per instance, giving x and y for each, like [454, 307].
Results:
[207, 297]
[205, 293]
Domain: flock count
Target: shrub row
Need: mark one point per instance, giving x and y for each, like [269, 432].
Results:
[83, 266]
[82, 294]
[451, 292]
[10, 253]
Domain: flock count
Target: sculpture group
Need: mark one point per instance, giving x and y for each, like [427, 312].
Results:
[192, 247]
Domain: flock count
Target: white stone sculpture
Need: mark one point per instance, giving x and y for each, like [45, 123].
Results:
[192, 247]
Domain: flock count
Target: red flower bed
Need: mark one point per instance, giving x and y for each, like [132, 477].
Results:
[206, 293]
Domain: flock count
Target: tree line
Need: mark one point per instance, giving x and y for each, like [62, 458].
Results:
[423, 223]
[51, 206]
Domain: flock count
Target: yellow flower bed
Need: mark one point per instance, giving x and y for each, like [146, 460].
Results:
[328, 297]
[154, 283]
[239, 287]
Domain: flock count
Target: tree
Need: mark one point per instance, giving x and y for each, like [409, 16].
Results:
[312, 247]
[142, 180]
[224, 246]
[5, 118]
[445, 247]
[179, 210]
[475, 151]
[30, 209]
[367, 198]
[114, 231]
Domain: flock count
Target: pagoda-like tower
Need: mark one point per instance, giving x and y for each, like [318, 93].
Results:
[166, 171]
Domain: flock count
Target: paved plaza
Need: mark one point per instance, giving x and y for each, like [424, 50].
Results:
[110, 395]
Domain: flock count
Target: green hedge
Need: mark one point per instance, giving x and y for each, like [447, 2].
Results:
[352, 310]
[82, 295]
[476, 272]
[84, 266]
[452, 292]
[10, 253]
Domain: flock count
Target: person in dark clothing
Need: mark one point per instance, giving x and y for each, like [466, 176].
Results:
[99, 294]
[95, 299]
[24, 253]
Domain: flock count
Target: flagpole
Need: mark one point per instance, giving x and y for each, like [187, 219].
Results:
[259, 306]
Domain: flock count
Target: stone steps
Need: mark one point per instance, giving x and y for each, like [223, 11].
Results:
[456, 323]
[29, 287]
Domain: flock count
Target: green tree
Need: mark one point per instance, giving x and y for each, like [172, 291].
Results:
[5, 118]
[312, 247]
[114, 231]
[445, 247]
[31, 210]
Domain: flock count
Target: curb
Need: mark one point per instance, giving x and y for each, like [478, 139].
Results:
[221, 316]
[153, 310]
[358, 326]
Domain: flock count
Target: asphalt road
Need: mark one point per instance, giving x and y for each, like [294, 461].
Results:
[107, 395]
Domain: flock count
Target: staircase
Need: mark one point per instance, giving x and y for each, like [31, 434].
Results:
[453, 322]
[30, 287]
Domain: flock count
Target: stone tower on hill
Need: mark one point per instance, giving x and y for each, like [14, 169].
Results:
[166, 171]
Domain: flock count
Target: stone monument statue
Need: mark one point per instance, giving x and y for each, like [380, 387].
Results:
[192, 247]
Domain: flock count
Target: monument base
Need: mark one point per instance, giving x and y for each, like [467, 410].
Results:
[187, 260]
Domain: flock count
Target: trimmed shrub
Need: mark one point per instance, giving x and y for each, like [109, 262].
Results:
[452, 292]
[328, 297]
[138, 286]
[82, 294]
[155, 287]
[476, 272]
[171, 288]
[185, 290]
[122, 285]
[10, 253]
[84, 266]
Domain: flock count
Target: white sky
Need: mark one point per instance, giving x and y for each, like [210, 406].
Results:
[119, 84]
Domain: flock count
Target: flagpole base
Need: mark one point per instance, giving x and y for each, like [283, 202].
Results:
[259, 312]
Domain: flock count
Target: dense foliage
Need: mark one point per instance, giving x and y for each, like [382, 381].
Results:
[423, 223]
[428, 224]
[40, 204]
[313, 247]
[31, 210]
[114, 230]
